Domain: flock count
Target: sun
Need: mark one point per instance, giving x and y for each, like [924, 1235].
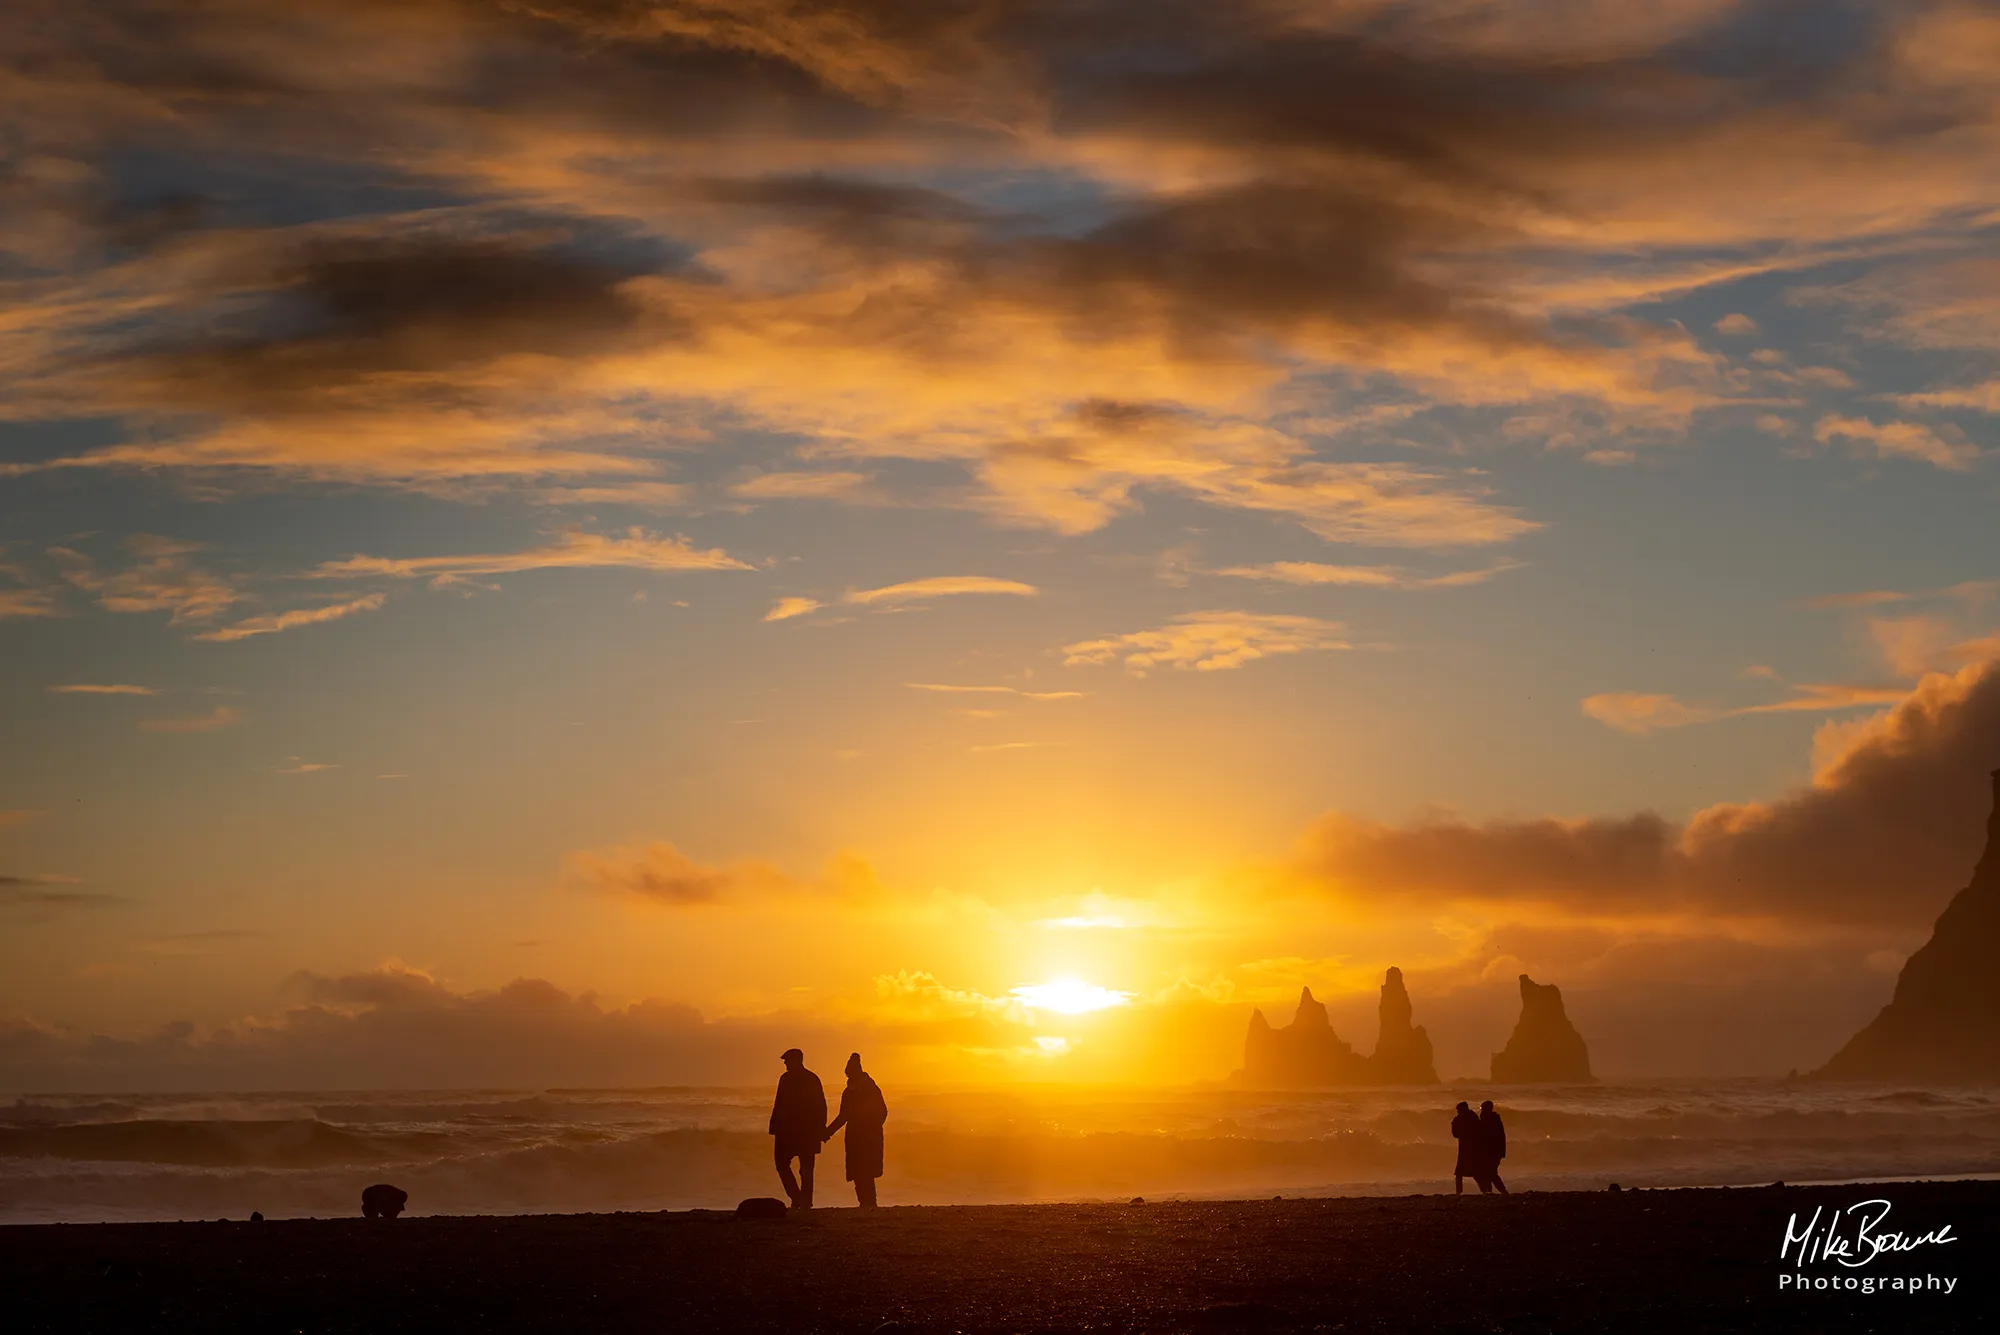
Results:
[1067, 996]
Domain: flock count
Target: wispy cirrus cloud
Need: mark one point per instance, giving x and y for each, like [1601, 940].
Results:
[163, 578]
[1364, 577]
[939, 586]
[637, 549]
[85, 688]
[1639, 712]
[908, 592]
[275, 622]
[787, 608]
[661, 873]
[32, 898]
[1210, 641]
[27, 603]
[830, 484]
[1942, 448]
[946, 689]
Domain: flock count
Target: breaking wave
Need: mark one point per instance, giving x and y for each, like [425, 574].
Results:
[174, 1157]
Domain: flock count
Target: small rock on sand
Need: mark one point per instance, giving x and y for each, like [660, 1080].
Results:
[761, 1207]
[383, 1201]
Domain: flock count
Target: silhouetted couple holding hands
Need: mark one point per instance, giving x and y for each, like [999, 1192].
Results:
[798, 1121]
[1482, 1144]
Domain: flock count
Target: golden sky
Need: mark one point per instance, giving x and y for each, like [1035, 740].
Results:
[594, 540]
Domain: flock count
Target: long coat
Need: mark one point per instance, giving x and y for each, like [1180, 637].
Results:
[862, 1111]
[1493, 1135]
[798, 1114]
[1471, 1145]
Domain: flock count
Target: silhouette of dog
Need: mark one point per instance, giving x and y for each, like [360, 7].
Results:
[761, 1207]
[383, 1201]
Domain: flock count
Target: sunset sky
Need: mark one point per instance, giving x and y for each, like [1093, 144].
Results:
[589, 541]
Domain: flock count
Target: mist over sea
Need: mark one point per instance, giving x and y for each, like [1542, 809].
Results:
[149, 1157]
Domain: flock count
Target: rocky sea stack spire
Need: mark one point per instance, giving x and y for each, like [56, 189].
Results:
[1402, 1051]
[1944, 1021]
[1307, 1053]
[1545, 1047]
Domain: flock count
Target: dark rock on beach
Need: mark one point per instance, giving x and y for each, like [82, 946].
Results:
[383, 1201]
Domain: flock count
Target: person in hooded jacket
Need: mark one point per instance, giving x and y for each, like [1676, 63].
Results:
[1493, 1141]
[862, 1112]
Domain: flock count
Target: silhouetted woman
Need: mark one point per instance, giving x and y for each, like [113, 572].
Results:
[862, 1112]
[1493, 1140]
[1471, 1149]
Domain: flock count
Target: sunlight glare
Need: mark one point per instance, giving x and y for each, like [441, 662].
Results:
[1067, 996]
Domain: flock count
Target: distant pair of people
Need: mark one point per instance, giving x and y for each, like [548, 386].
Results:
[798, 1121]
[1482, 1144]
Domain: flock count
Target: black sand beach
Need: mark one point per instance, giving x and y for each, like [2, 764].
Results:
[1687, 1260]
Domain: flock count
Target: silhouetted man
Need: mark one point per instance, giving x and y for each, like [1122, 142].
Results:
[798, 1120]
[862, 1112]
[1465, 1130]
[1493, 1141]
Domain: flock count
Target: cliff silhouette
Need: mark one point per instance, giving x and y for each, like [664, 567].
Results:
[1942, 1021]
[1545, 1047]
[1307, 1053]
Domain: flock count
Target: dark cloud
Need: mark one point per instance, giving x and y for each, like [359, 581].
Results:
[30, 899]
[1888, 830]
[335, 310]
[1468, 199]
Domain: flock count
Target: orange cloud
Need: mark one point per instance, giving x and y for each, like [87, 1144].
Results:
[572, 550]
[830, 485]
[1210, 641]
[663, 874]
[26, 603]
[1638, 712]
[304, 616]
[787, 608]
[939, 586]
[1374, 577]
[944, 689]
[1906, 440]
[87, 689]
[164, 579]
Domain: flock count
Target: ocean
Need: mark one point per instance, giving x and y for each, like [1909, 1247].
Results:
[165, 1157]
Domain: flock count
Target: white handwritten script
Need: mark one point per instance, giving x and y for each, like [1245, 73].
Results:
[1854, 1236]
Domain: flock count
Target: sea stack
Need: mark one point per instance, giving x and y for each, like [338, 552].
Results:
[1943, 1023]
[1305, 1052]
[1402, 1050]
[1545, 1047]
